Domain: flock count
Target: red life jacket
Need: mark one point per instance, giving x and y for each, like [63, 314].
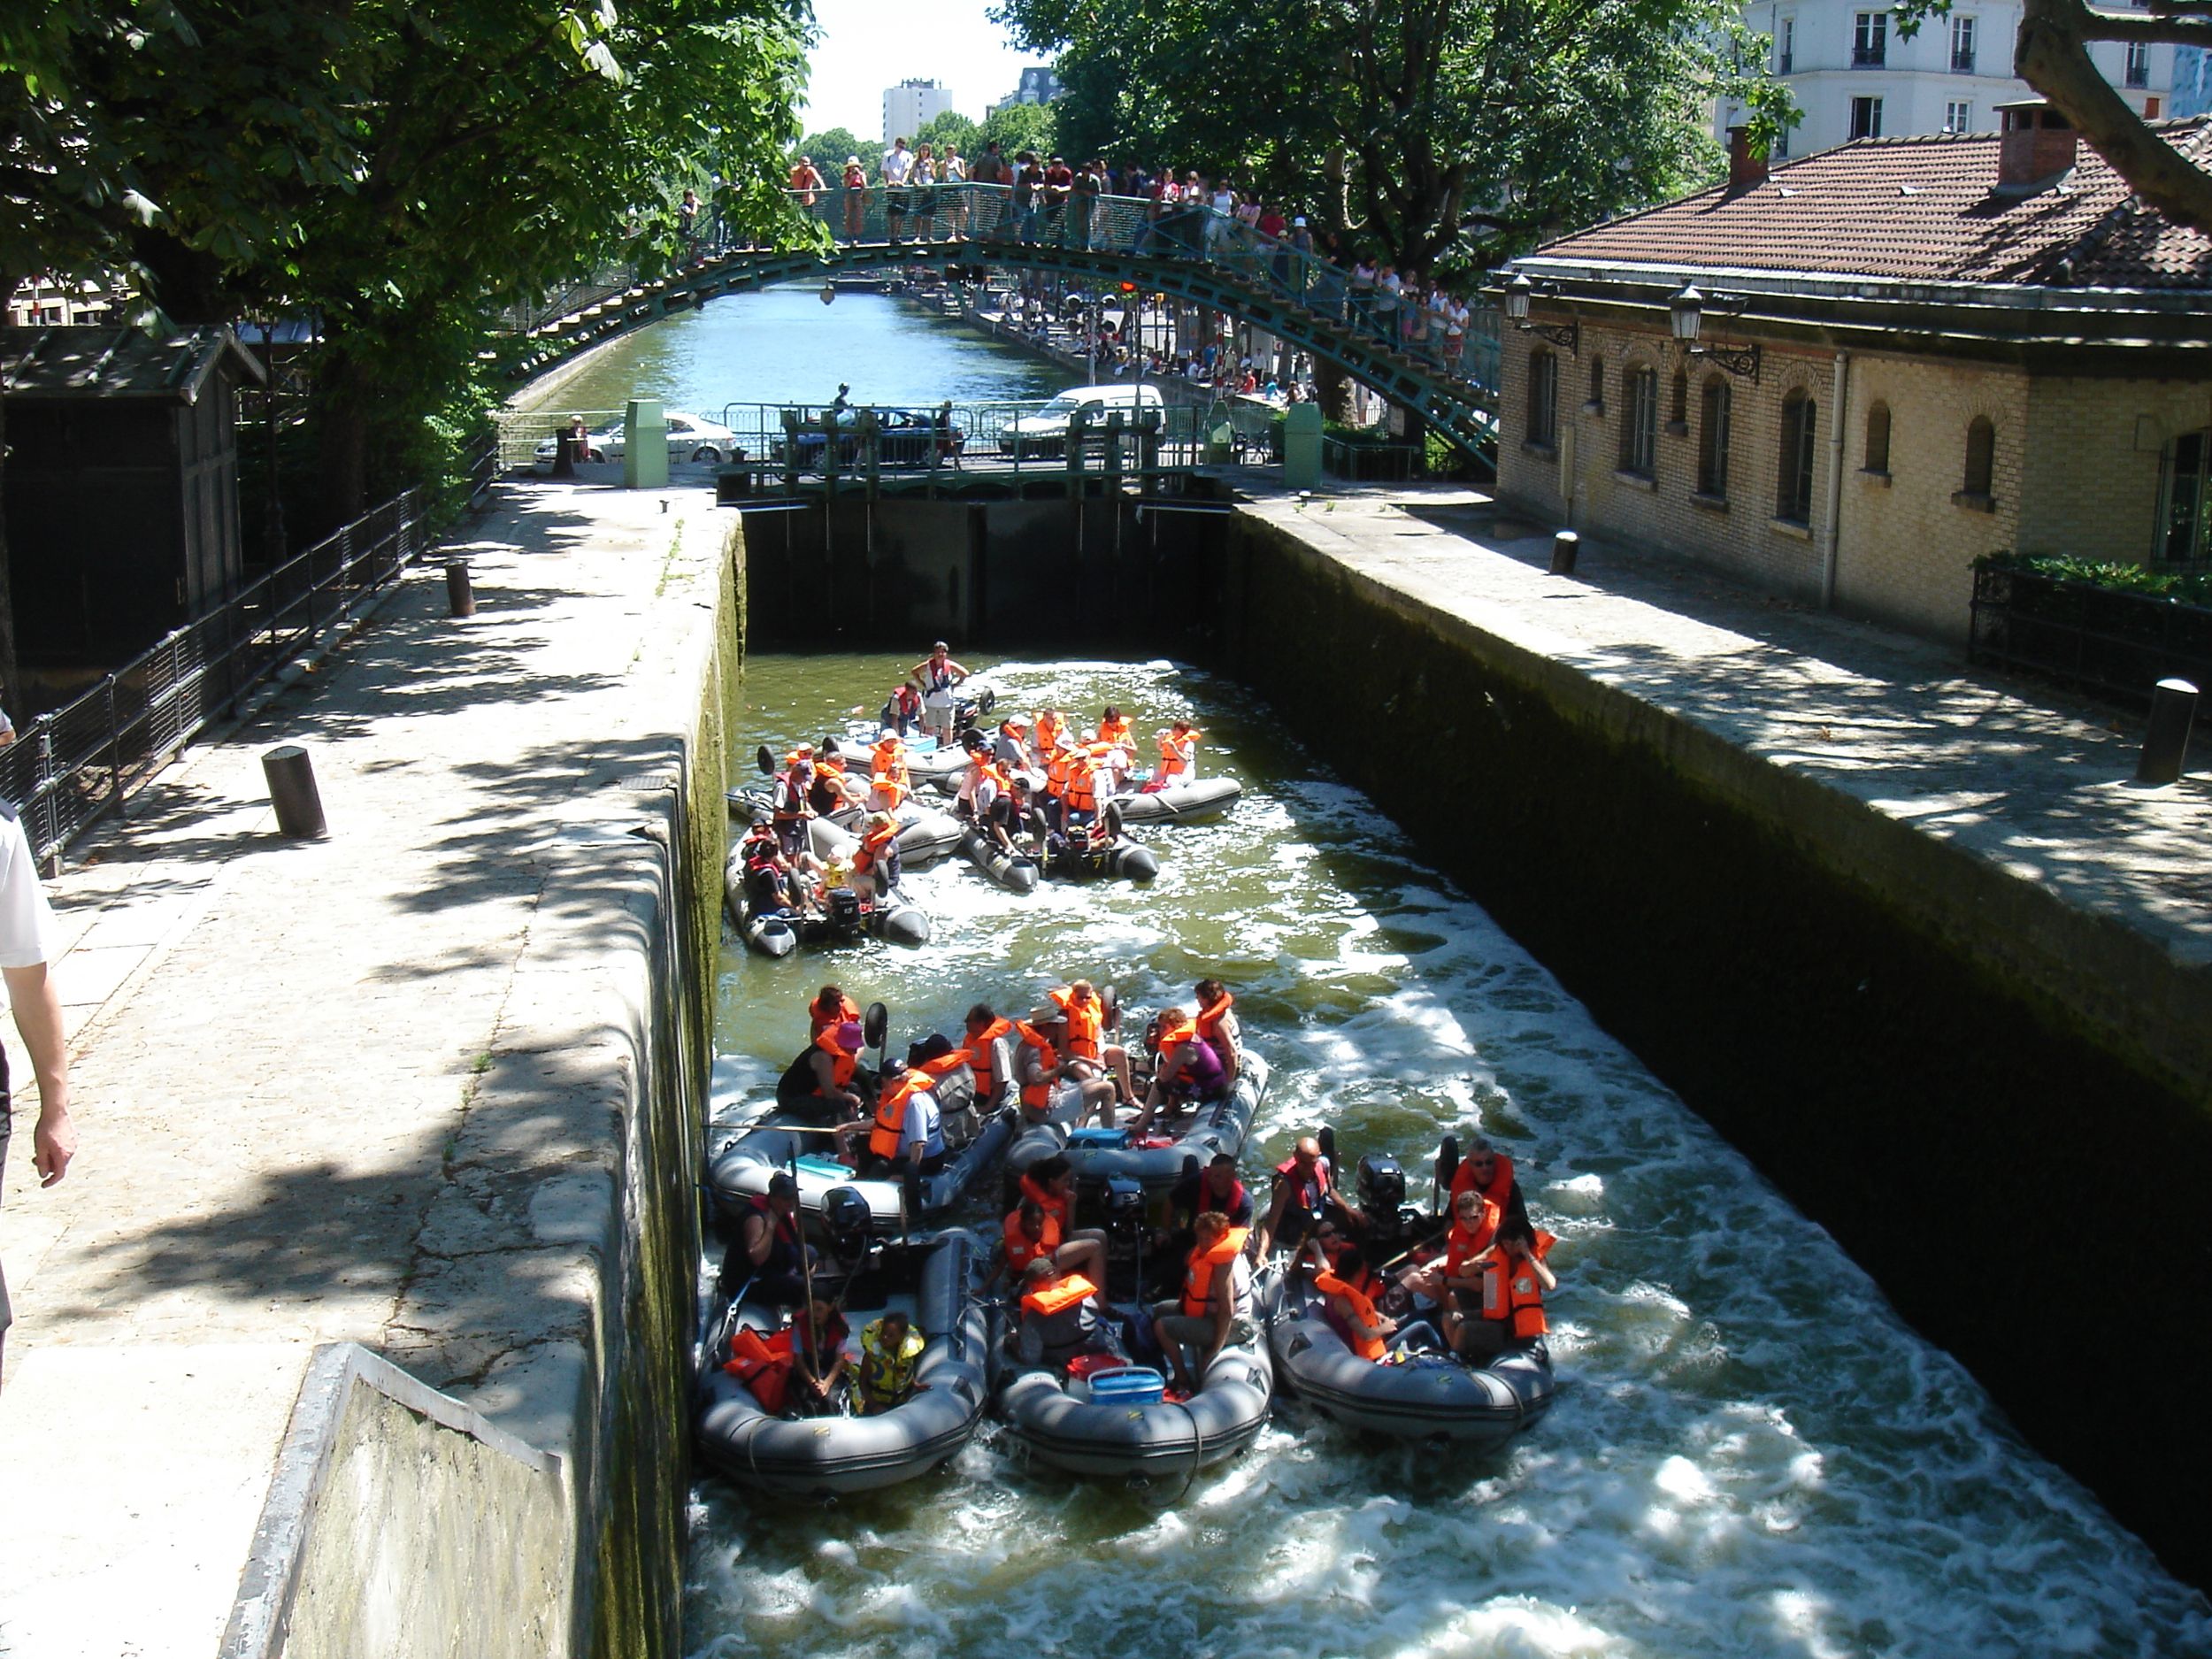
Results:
[764, 1367]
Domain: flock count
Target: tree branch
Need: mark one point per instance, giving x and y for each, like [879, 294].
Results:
[2145, 28]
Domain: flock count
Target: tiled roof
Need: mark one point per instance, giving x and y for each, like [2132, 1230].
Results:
[107, 360]
[1922, 210]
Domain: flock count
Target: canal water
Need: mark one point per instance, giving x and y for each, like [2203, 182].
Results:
[1749, 1452]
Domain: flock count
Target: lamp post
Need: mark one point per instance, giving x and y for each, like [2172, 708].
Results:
[1518, 292]
[1685, 315]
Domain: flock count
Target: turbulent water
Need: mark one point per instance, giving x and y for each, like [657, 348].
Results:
[1749, 1452]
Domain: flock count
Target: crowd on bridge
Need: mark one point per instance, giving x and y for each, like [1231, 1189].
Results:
[926, 193]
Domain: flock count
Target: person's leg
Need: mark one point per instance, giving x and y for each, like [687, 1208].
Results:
[1084, 1253]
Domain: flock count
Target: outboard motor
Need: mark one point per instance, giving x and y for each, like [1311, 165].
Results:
[844, 911]
[1125, 1225]
[847, 1219]
[1381, 1187]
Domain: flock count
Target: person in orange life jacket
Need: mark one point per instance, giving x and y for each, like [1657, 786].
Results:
[1088, 783]
[1486, 1169]
[1044, 1087]
[1510, 1312]
[1218, 1025]
[830, 1007]
[1009, 745]
[1029, 1232]
[1110, 766]
[1215, 1310]
[1188, 1072]
[1112, 728]
[789, 807]
[1303, 1195]
[1456, 1273]
[1178, 755]
[1059, 1314]
[1083, 1036]
[876, 860]
[775, 884]
[887, 759]
[826, 1088]
[817, 1359]
[906, 1128]
[1343, 1284]
[937, 674]
[1014, 820]
[766, 1261]
[1045, 740]
[989, 1043]
[834, 789]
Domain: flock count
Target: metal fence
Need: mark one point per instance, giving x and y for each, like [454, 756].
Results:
[71, 767]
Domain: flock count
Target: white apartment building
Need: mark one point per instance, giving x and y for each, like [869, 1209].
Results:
[911, 105]
[1855, 77]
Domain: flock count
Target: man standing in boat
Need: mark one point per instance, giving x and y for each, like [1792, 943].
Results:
[27, 929]
[937, 674]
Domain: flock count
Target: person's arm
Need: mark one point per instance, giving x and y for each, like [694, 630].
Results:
[1221, 1302]
[37, 1004]
[758, 1235]
[1256, 1246]
[1544, 1276]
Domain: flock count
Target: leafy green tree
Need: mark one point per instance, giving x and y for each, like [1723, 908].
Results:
[1019, 126]
[1442, 132]
[829, 149]
[954, 128]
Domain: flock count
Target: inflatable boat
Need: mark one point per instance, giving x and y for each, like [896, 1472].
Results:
[1112, 1420]
[1100, 1155]
[1013, 872]
[849, 919]
[1120, 858]
[930, 1280]
[975, 1137]
[1180, 802]
[923, 837]
[1412, 1396]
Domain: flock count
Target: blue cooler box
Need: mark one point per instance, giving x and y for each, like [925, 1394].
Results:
[1130, 1385]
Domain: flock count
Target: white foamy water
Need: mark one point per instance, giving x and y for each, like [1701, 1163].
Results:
[1749, 1453]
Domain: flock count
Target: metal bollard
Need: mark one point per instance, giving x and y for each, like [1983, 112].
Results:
[299, 804]
[460, 596]
[2166, 739]
[1564, 547]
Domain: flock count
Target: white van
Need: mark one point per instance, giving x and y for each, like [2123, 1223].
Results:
[1046, 432]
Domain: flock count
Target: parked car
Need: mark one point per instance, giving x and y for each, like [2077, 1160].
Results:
[904, 438]
[1046, 432]
[547, 448]
[689, 439]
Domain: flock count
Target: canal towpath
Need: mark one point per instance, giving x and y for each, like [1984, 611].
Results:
[282, 1052]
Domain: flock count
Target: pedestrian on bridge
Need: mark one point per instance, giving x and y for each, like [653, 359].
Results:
[806, 181]
[855, 183]
[898, 167]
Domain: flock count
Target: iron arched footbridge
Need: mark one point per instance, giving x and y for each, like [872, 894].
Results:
[1442, 364]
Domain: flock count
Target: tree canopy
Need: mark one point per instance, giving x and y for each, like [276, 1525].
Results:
[828, 149]
[1450, 132]
[1015, 127]
[954, 128]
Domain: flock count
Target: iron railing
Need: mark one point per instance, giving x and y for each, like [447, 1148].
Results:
[74, 765]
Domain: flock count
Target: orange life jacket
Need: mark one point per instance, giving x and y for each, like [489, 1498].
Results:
[1512, 1291]
[1198, 1277]
[981, 1048]
[1021, 1249]
[1367, 1348]
[1461, 1247]
[1178, 754]
[1081, 793]
[1085, 1020]
[883, 1140]
[875, 847]
[1114, 733]
[891, 786]
[1173, 1036]
[845, 1011]
[764, 1367]
[1052, 1204]
[1208, 1025]
[1063, 1292]
[1058, 764]
[1497, 1189]
[841, 1064]
[1049, 729]
[1038, 1094]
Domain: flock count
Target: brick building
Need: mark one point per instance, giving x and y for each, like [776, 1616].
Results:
[1906, 353]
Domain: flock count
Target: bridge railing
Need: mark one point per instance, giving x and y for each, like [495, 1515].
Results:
[1461, 341]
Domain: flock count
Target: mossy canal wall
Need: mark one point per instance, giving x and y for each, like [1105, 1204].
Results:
[1996, 1103]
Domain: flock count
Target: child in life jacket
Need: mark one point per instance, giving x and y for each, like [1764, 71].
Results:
[890, 1349]
[1510, 1315]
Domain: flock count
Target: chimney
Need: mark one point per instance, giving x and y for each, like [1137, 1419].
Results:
[1743, 168]
[2035, 147]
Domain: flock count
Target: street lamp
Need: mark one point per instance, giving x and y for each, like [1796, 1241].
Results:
[1566, 336]
[1685, 315]
[829, 290]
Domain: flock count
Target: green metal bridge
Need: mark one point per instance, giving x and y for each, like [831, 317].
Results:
[1414, 359]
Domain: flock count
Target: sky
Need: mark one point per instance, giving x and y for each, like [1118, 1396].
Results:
[868, 45]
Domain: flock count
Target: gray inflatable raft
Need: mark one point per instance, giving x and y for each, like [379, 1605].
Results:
[894, 920]
[1099, 1156]
[1011, 870]
[1424, 1397]
[830, 1456]
[1181, 804]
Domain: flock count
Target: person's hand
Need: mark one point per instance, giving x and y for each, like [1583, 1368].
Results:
[53, 1144]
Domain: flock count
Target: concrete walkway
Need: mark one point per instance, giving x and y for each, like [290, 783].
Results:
[2011, 769]
[275, 1047]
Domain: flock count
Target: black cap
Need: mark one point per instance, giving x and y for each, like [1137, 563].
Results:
[782, 1184]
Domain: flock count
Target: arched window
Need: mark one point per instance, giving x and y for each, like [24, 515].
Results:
[1981, 458]
[1597, 405]
[1877, 438]
[1640, 423]
[1678, 408]
[1793, 496]
[1712, 436]
[1543, 397]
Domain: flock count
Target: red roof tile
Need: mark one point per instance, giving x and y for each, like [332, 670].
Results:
[1922, 210]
